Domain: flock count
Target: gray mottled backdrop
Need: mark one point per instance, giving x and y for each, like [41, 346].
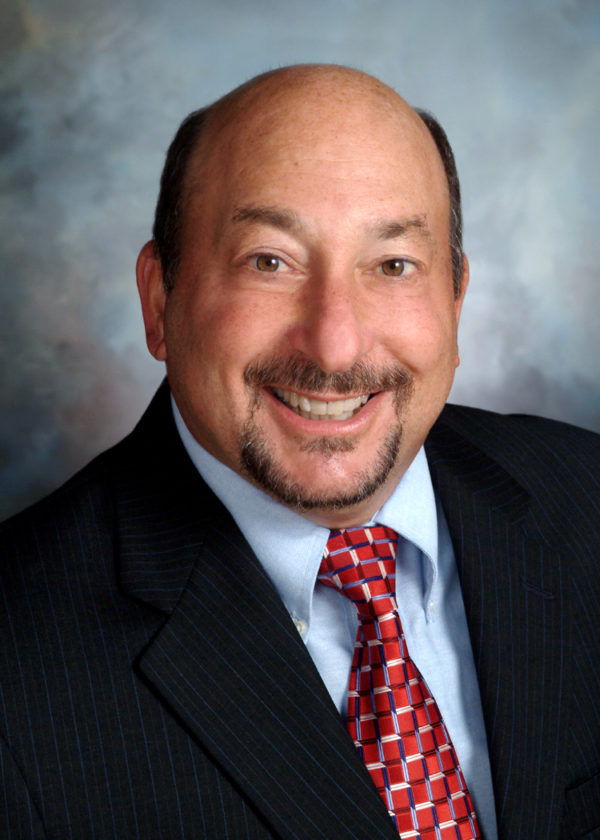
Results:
[91, 94]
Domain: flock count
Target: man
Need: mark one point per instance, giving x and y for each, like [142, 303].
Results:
[175, 655]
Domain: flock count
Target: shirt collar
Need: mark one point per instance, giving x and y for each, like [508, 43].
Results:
[288, 545]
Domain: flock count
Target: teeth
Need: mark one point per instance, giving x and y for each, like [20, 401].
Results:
[304, 404]
[313, 409]
[318, 407]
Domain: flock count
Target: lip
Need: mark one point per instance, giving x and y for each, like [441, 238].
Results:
[325, 427]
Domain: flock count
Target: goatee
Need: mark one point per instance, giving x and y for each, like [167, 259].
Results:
[259, 463]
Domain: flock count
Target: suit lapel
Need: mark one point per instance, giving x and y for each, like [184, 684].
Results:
[228, 661]
[513, 600]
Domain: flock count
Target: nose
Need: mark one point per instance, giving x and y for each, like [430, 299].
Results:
[334, 327]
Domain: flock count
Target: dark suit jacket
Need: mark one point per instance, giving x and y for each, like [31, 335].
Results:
[153, 685]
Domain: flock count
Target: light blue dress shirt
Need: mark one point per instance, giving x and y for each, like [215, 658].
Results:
[290, 548]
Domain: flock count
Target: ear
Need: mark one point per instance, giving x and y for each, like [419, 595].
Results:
[464, 282]
[153, 298]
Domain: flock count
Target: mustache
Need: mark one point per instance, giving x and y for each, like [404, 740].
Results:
[304, 375]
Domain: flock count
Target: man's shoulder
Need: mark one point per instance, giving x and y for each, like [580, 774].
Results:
[483, 424]
[54, 525]
[74, 528]
[88, 490]
[146, 475]
[521, 441]
[556, 464]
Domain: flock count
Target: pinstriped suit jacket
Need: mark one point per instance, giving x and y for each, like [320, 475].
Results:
[152, 684]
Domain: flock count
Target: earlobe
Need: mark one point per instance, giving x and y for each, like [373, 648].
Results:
[153, 298]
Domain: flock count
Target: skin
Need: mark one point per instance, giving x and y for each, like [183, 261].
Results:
[327, 176]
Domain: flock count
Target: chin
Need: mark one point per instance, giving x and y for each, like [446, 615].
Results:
[343, 492]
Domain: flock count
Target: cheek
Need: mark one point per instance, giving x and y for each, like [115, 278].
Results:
[238, 334]
[224, 333]
[426, 340]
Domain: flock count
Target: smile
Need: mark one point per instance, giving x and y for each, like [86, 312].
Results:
[312, 409]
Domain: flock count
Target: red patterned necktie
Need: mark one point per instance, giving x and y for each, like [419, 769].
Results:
[393, 719]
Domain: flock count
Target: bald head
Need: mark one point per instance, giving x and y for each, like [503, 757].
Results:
[323, 102]
[323, 85]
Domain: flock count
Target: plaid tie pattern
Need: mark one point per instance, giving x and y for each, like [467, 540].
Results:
[392, 718]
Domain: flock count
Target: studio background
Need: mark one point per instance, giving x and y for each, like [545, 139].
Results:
[91, 95]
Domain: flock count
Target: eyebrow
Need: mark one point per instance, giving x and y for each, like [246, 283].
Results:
[398, 228]
[288, 220]
[273, 216]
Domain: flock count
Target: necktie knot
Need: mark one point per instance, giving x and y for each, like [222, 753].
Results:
[360, 563]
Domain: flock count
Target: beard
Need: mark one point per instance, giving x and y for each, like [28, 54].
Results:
[259, 462]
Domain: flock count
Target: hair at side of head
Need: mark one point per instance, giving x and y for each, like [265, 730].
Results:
[447, 155]
[168, 216]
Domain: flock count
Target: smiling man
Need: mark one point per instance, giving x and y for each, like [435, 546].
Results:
[305, 598]
[310, 334]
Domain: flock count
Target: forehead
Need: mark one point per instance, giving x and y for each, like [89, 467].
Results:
[327, 135]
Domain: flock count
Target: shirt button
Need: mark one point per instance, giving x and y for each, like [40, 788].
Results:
[431, 607]
[300, 626]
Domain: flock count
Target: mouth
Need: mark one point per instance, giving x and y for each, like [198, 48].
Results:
[313, 409]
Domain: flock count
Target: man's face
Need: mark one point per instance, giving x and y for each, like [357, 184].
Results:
[310, 337]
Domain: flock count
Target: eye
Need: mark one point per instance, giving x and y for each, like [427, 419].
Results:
[267, 262]
[395, 267]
